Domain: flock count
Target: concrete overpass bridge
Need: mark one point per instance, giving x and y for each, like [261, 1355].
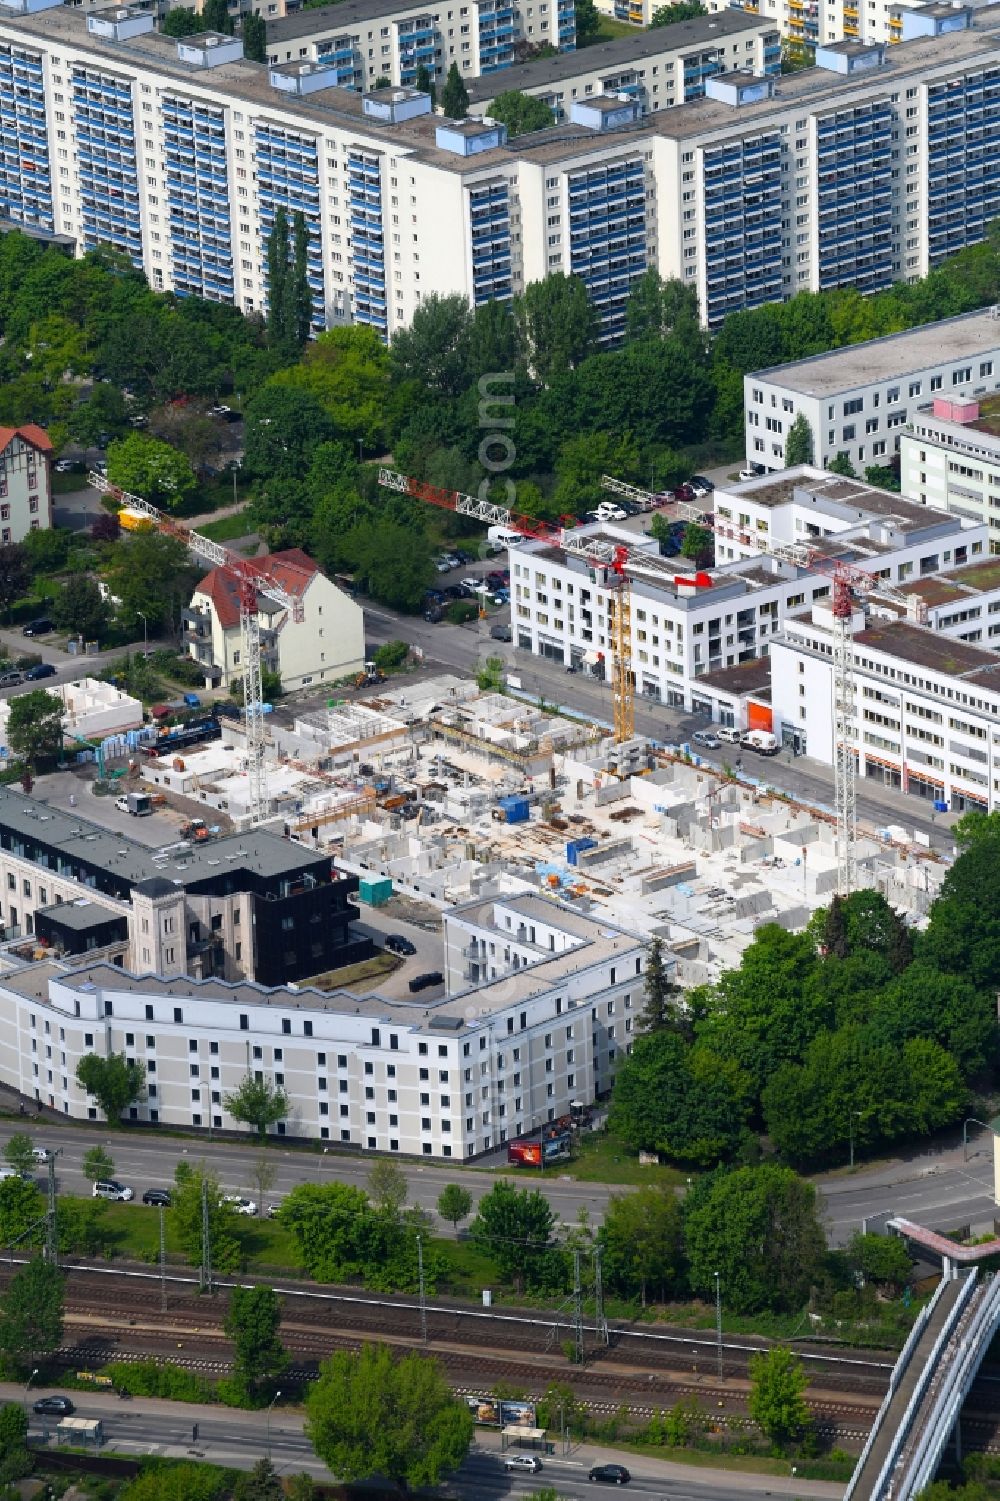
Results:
[921, 1413]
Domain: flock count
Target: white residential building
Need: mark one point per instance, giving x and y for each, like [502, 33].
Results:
[659, 68]
[686, 625]
[927, 706]
[179, 153]
[552, 1012]
[327, 643]
[950, 455]
[25, 482]
[858, 400]
[365, 40]
[809, 23]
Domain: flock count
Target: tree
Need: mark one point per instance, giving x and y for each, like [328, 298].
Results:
[182, 22]
[660, 1012]
[684, 1101]
[15, 1460]
[424, 83]
[215, 14]
[558, 325]
[254, 38]
[298, 291]
[262, 1175]
[454, 1203]
[196, 1189]
[31, 1316]
[152, 575]
[98, 1163]
[252, 1323]
[388, 1187]
[588, 23]
[759, 1229]
[14, 574]
[263, 1483]
[369, 1414]
[115, 1082]
[34, 727]
[392, 562]
[640, 1237]
[257, 1103]
[777, 1401]
[514, 1226]
[963, 933]
[883, 1259]
[47, 550]
[799, 442]
[79, 608]
[454, 95]
[19, 1152]
[521, 113]
[277, 278]
[21, 1207]
[436, 349]
[660, 309]
[181, 1482]
[841, 464]
[681, 10]
[698, 544]
[284, 427]
[151, 468]
[300, 1487]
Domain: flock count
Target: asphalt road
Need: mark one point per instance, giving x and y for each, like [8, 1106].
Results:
[239, 1439]
[938, 1189]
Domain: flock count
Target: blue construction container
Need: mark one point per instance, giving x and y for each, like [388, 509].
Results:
[576, 847]
[515, 809]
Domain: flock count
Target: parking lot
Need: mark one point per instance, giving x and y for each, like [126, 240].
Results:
[377, 923]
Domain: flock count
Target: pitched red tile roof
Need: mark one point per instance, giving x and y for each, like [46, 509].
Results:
[291, 570]
[30, 432]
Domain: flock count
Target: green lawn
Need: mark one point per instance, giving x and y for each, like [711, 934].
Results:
[68, 484]
[609, 28]
[135, 1229]
[601, 1158]
[227, 528]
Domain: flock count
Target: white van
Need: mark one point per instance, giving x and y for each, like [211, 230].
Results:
[728, 735]
[761, 741]
[502, 537]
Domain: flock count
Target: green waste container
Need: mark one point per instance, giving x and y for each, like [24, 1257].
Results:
[375, 890]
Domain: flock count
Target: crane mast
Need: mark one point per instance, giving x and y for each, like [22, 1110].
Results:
[252, 582]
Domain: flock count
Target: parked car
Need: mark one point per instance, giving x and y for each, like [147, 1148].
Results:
[40, 1154]
[159, 1197]
[241, 1205]
[110, 1188]
[751, 471]
[39, 627]
[434, 615]
[43, 670]
[65, 466]
[701, 485]
[706, 739]
[424, 982]
[54, 1406]
[219, 411]
[397, 944]
[274, 1208]
[11, 679]
[610, 1474]
[524, 1462]
[472, 582]
[442, 565]
[501, 597]
[728, 735]
[685, 492]
[501, 633]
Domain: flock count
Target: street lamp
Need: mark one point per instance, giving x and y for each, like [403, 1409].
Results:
[26, 1385]
[850, 1127]
[267, 1423]
[971, 1120]
[145, 634]
[718, 1321]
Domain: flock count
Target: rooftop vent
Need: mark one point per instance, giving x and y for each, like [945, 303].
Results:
[28, 7]
[850, 57]
[739, 89]
[393, 106]
[470, 137]
[302, 77]
[116, 24]
[605, 112]
[209, 49]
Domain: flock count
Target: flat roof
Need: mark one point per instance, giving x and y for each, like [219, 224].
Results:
[867, 500]
[600, 940]
[929, 649]
[247, 82]
[746, 677]
[81, 915]
[618, 52]
[262, 852]
[895, 355]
